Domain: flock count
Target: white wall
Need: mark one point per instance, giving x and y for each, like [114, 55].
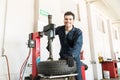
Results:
[102, 43]
[19, 23]
[115, 42]
[83, 25]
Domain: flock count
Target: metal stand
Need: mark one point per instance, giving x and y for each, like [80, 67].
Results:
[60, 77]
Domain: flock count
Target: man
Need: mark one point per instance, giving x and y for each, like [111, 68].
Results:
[71, 41]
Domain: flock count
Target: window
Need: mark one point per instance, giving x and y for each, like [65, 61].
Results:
[115, 34]
[100, 24]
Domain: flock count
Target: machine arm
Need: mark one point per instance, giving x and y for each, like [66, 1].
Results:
[49, 31]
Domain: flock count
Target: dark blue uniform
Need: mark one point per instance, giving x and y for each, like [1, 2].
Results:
[71, 45]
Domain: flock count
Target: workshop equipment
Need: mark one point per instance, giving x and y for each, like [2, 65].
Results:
[49, 31]
[34, 43]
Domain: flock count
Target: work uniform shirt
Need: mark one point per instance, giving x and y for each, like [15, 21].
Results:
[71, 42]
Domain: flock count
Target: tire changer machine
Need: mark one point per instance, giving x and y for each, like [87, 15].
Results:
[34, 43]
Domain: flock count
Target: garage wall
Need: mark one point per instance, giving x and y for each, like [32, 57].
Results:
[102, 40]
[19, 23]
[115, 42]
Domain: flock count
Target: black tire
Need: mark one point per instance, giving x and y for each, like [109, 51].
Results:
[28, 78]
[55, 68]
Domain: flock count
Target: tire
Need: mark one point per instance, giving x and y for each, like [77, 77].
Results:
[28, 78]
[60, 67]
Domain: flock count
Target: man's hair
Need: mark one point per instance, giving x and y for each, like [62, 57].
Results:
[69, 13]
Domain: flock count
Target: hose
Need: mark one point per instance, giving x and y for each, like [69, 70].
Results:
[7, 66]
[23, 67]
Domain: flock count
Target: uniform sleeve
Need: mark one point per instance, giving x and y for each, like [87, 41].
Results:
[56, 30]
[78, 42]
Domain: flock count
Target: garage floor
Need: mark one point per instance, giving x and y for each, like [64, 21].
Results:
[113, 78]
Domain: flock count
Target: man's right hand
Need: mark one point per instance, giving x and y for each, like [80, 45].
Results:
[70, 61]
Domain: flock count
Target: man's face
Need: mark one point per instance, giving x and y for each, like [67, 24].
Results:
[68, 22]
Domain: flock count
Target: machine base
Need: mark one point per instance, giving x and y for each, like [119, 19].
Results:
[56, 77]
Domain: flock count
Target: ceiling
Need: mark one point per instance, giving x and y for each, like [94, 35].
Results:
[110, 8]
[114, 6]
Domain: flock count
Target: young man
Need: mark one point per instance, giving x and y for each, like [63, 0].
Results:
[71, 41]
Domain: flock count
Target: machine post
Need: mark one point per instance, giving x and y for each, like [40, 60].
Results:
[35, 54]
[50, 39]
